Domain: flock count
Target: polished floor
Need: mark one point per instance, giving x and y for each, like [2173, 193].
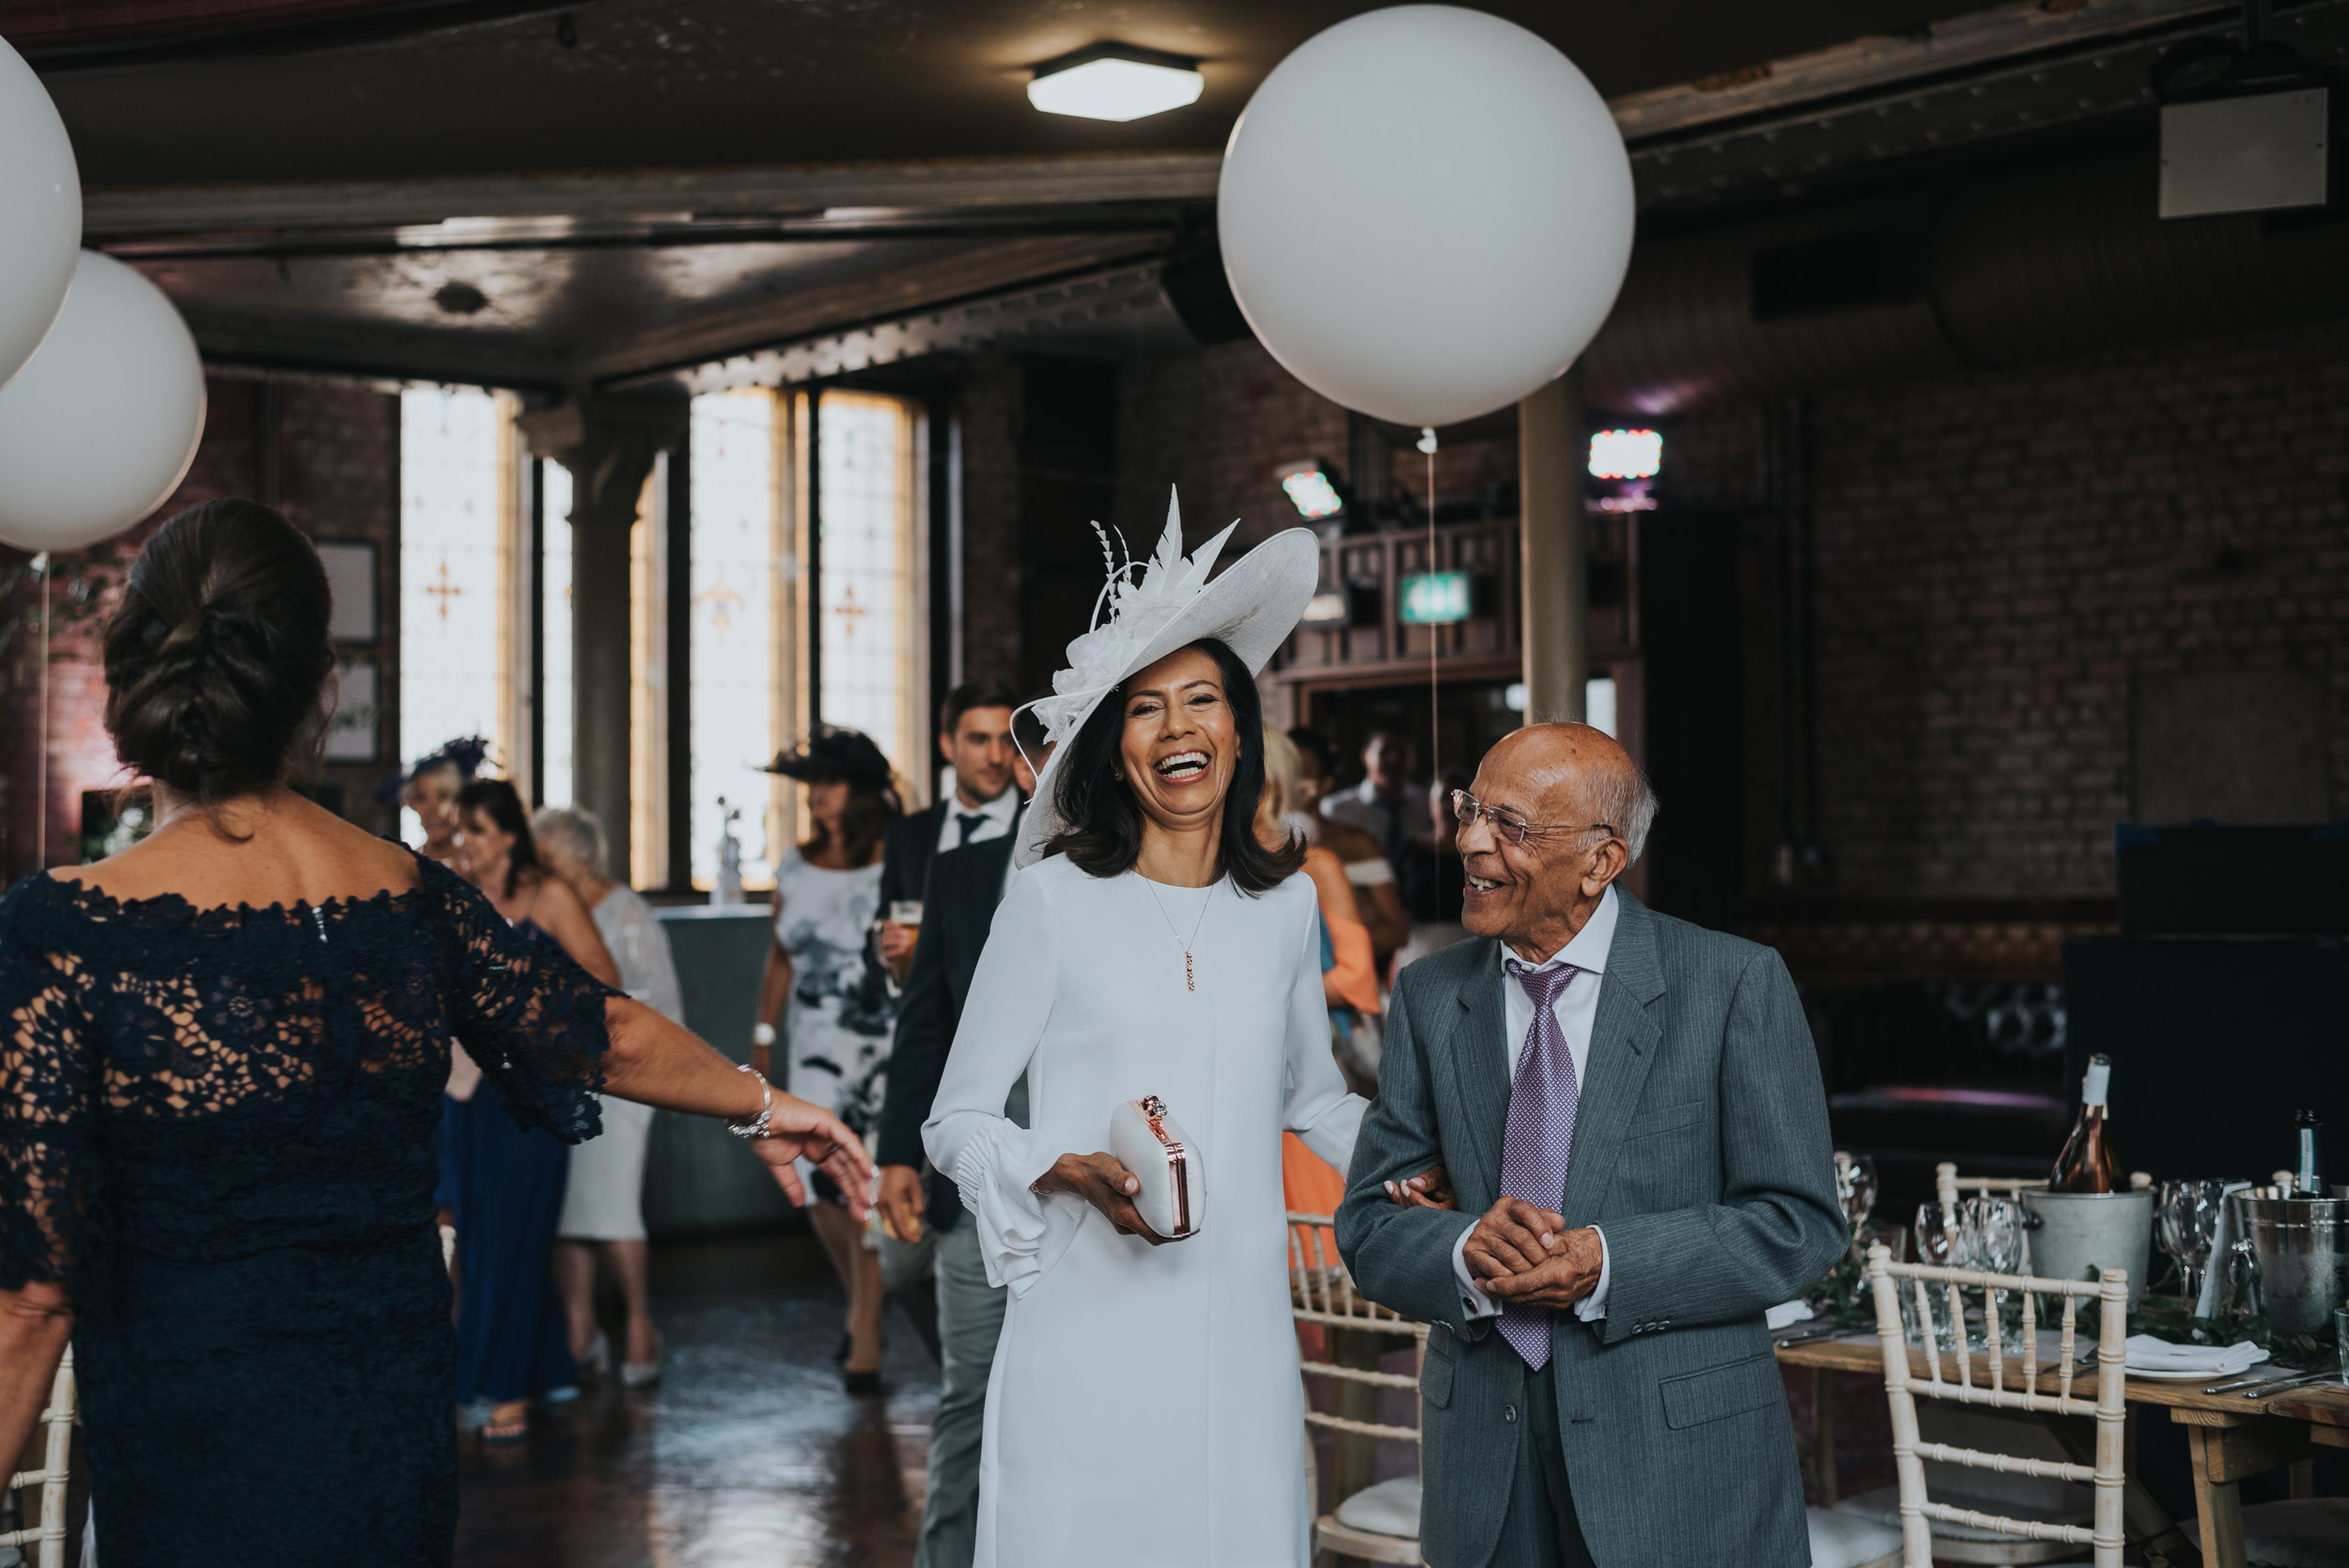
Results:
[747, 1454]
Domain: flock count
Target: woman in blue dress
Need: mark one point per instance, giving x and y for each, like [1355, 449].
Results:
[504, 1182]
[221, 1061]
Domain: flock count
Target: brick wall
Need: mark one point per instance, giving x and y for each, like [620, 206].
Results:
[337, 473]
[1214, 424]
[338, 478]
[1996, 555]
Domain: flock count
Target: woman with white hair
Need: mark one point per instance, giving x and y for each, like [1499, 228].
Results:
[604, 1205]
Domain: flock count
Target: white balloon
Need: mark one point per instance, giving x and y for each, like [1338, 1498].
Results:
[1426, 213]
[40, 211]
[100, 425]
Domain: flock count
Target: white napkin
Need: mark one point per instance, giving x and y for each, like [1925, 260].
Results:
[2148, 1354]
[1785, 1313]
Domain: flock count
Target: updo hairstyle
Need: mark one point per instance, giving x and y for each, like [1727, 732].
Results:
[217, 657]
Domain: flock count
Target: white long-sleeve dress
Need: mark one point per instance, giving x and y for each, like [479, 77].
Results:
[1145, 1407]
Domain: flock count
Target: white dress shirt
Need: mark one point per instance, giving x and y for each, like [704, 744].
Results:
[996, 818]
[1577, 1011]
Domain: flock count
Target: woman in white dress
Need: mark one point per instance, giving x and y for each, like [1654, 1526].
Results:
[1145, 1407]
[603, 1206]
[840, 1014]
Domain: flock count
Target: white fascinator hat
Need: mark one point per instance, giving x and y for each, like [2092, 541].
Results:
[1147, 609]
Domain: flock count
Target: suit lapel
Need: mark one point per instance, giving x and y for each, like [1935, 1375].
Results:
[1622, 1041]
[1479, 1054]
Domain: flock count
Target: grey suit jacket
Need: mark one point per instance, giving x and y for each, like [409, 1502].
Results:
[1701, 1148]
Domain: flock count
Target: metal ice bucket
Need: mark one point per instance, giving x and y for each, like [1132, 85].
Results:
[2303, 1249]
[2076, 1233]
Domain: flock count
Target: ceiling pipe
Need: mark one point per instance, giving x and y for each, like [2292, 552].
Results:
[2001, 270]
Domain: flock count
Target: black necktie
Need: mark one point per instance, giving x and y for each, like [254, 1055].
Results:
[1397, 841]
[971, 822]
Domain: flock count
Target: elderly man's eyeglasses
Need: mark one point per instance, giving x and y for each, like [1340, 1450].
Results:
[1467, 808]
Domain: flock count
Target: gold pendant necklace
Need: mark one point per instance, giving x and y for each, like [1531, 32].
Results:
[1190, 980]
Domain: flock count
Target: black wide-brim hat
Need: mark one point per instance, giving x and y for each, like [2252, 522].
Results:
[832, 753]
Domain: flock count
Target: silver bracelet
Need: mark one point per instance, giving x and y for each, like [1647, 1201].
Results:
[756, 1125]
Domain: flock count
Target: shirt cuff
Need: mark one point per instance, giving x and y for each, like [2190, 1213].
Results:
[1592, 1307]
[1475, 1303]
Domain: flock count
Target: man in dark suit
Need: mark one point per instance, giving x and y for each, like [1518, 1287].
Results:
[1629, 1110]
[974, 739]
[965, 885]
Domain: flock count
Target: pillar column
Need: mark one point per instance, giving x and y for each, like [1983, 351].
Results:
[609, 445]
[1553, 565]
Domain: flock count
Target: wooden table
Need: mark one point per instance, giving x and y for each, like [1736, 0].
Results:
[2228, 1439]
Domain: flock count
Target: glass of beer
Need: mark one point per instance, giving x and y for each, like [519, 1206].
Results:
[908, 913]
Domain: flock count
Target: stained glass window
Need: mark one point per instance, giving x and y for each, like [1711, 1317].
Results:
[869, 635]
[734, 628]
[555, 619]
[449, 567]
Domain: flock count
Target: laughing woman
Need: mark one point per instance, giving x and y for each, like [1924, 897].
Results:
[1145, 1406]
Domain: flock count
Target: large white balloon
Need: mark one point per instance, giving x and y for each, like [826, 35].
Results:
[40, 211]
[100, 425]
[1425, 212]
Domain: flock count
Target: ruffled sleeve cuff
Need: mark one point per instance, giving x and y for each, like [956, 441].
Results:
[1020, 1234]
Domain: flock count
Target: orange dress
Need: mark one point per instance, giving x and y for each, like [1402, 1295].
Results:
[1356, 976]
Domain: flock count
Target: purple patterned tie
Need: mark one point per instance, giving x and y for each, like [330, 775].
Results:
[1539, 1141]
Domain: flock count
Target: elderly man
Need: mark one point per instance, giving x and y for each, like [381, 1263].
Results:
[1630, 1114]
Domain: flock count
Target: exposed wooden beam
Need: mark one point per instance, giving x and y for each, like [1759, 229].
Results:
[370, 350]
[1961, 43]
[740, 329]
[953, 184]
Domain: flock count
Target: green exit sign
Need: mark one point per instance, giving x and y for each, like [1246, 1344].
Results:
[1438, 597]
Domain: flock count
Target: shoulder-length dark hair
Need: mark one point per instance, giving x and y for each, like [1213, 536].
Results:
[863, 824]
[496, 799]
[1103, 833]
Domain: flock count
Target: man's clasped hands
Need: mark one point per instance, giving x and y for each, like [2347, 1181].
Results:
[1519, 1254]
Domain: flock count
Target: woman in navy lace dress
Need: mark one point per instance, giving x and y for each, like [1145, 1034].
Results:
[221, 1061]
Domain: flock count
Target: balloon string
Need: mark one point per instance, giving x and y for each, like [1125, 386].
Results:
[40, 818]
[1434, 632]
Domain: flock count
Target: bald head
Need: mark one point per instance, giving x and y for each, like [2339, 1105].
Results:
[1584, 811]
[1581, 774]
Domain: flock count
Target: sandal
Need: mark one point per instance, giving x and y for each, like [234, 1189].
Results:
[506, 1434]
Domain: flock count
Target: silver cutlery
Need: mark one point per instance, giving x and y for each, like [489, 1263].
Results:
[2238, 1383]
[1800, 1336]
[2282, 1383]
[2259, 1388]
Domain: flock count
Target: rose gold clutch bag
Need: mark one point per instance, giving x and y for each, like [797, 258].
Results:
[1147, 1141]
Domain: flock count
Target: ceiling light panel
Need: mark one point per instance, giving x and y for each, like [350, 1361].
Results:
[1114, 87]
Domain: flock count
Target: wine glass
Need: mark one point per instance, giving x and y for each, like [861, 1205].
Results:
[1941, 1243]
[1855, 1186]
[1993, 1234]
[2188, 1224]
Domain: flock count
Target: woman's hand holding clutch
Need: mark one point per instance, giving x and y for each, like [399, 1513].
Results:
[1101, 1181]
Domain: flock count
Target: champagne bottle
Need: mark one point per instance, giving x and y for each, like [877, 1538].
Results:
[2307, 1166]
[2088, 1162]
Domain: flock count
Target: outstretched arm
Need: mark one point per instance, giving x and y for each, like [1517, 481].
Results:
[658, 1063]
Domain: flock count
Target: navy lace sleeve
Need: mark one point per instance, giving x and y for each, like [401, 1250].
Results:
[531, 1017]
[48, 1075]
